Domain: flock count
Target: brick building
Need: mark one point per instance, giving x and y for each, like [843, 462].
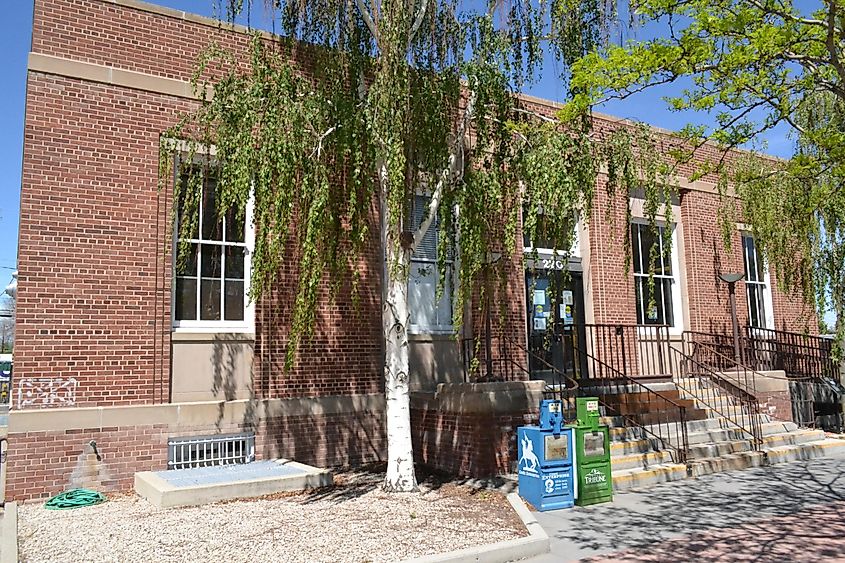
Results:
[114, 345]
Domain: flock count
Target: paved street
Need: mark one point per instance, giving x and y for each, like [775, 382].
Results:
[790, 512]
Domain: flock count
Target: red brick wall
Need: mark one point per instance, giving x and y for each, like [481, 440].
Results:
[613, 287]
[467, 444]
[41, 464]
[93, 241]
[706, 258]
[777, 404]
[90, 240]
[100, 32]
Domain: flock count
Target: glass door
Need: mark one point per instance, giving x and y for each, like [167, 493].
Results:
[555, 322]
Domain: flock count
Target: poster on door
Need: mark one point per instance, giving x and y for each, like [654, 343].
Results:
[566, 312]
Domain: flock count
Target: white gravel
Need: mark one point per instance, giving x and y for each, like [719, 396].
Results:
[355, 523]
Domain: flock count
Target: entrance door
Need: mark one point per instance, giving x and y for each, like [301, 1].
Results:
[555, 302]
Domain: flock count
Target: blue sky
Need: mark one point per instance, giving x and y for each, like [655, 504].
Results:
[15, 40]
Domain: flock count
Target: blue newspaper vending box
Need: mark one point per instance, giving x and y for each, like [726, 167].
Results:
[545, 469]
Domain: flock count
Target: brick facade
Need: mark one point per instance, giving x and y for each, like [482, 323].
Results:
[94, 282]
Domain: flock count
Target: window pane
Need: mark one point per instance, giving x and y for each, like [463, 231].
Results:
[234, 301]
[210, 300]
[186, 299]
[752, 305]
[211, 261]
[428, 246]
[635, 248]
[650, 305]
[444, 304]
[638, 290]
[422, 283]
[648, 242]
[753, 260]
[666, 255]
[234, 227]
[759, 264]
[655, 304]
[186, 263]
[212, 225]
[193, 233]
[756, 305]
[761, 305]
[668, 307]
[235, 262]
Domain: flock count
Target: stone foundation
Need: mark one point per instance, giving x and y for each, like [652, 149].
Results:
[49, 450]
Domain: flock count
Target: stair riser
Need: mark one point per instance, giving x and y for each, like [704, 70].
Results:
[807, 451]
[743, 461]
[649, 478]
[634, 447]
[725, 448]
[640, 460]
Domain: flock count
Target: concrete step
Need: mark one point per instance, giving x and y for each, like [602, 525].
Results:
[629, 447]
[769, 455]
[718, 449]
[643, 477]
[626, 434]
[612, 421]
[640, 460]
[716, 430]
[639, 477]
[712, 423]
[809, 450]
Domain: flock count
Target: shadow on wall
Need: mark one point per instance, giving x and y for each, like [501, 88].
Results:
[469, 429]
[322, 431]
[228, 354]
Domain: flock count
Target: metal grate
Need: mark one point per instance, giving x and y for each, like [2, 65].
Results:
[206, 451]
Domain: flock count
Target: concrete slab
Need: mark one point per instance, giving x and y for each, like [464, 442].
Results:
[9, 533]
[203, 485]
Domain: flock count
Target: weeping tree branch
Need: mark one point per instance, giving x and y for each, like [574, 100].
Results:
[418, 22]
[456, 162]
[368, 19]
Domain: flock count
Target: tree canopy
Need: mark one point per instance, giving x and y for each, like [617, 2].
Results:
[356, 102]
[753, 65]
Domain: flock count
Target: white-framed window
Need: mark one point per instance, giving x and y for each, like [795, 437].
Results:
[211, 279]
[758, 288]
[658, 300]
[430, 313]
[544, 244]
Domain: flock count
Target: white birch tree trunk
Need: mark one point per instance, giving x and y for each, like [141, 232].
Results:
[396, 316]
[400, 477]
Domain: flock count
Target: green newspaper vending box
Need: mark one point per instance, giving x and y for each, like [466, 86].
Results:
[592, 458]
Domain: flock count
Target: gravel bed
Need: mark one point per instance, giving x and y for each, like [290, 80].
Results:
[353, 521]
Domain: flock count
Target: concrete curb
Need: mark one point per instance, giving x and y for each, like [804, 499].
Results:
[9, 534]
[537, 543]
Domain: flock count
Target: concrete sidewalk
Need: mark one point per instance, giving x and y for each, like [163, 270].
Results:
[788, 512]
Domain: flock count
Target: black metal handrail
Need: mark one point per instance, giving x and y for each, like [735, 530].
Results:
[648, 351]
[742, 404]
[504, 367]
[669, 415]
[722, 363]
[666, 424]
[801, 356]
[806, 360]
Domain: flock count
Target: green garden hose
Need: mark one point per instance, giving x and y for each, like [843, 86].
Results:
[75, 498]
